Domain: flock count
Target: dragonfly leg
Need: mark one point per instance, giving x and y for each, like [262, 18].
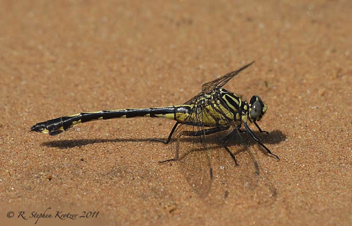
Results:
[168, 141]
[170, 135]
[258, 141]
[176, 158]
[206, 131]
[225, 139]
[192, 134]
[260, 130]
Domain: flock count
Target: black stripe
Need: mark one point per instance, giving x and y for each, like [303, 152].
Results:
[161, 111]
[217, 108]
[153, 112]
[54, 124]
[230, 100]
[215, 117]
[86, 117]
[113, 114]
[174, 112]
[68, 121]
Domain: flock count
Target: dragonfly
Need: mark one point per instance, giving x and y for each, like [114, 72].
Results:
[212, 111]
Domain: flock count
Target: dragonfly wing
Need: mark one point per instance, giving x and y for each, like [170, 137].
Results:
[193, 153]
[216, 84]
[220, 82]
[194, 99]
[248, 182]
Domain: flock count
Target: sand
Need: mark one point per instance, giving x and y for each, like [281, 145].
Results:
[65, 57]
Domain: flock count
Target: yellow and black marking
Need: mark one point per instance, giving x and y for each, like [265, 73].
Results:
[59, 125]
[212, 110]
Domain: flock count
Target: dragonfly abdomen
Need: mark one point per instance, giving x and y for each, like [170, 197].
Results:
[59, 125]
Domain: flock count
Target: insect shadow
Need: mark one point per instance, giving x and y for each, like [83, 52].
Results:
[197, 176]
[274, 137]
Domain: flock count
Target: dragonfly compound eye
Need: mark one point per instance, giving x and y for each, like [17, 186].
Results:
[256, 110]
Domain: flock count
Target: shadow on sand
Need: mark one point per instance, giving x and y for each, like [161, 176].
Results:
[274, 137]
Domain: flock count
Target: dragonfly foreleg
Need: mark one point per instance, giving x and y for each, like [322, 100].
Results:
[260, 130]
[258, 141]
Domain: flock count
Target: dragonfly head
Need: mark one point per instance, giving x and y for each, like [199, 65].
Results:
[257, 108]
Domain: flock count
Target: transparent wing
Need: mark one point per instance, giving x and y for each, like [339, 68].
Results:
[193, 159]
[194, 99]
[216, 84]
[192, 151]
[194, 146]
[220, 82]
[211, 171]
[248, 183]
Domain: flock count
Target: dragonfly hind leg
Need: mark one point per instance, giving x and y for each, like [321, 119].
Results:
[190, 134]
[170, 135]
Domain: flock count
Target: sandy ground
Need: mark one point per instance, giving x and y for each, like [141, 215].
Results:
[64, 57]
